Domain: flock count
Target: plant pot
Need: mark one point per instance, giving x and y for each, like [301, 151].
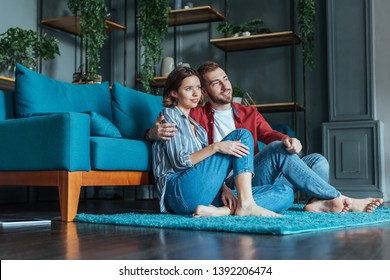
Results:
[9, 73]
[178, 4]
[167, 66]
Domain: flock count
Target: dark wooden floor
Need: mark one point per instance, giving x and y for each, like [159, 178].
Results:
[60, 241]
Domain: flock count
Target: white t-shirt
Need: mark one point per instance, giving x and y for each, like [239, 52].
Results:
[223, 124]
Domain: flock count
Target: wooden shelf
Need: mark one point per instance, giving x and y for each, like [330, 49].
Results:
[279, 107]
[268, 40]
[199, 14]
[71, 24]
[7, 84]
[158, 82]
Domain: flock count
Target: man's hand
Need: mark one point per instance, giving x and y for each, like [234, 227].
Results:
[228, 199]
[161, 130]
[293, 145]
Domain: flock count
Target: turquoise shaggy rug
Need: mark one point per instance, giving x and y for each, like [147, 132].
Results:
[293, 221]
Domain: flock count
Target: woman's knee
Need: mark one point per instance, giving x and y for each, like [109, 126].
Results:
[242, 134]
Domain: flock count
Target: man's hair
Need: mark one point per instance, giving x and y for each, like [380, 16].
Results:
[173, 83]
[206, 67]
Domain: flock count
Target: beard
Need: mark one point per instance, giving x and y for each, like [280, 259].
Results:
[220, 99]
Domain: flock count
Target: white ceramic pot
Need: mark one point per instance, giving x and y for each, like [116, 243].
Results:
[167, 66]
[184, 65]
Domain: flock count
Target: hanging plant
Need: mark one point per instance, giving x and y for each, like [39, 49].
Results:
[26, 47]
[306, 21]
[93, 31]
[153, 22]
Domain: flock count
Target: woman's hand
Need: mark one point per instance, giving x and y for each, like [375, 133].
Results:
[228, 199]
[235, 148]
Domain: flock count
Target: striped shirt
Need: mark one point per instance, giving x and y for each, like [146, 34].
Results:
[173, 156]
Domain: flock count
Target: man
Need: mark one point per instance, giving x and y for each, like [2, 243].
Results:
[278, 163]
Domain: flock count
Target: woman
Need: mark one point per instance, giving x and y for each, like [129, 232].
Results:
[189, 173]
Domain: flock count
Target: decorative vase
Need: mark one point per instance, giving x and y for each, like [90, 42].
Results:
[167, 66]
[183, 64]
[178, 4]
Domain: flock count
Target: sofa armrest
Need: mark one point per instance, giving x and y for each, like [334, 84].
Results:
[49, 142]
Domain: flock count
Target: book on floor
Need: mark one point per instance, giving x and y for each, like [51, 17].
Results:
[17, 222]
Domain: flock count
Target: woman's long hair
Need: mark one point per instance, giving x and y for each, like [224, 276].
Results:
[173, 83]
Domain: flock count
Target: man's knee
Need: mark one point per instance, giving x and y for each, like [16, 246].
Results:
[316, 160]
[288, 192]
[277, 147]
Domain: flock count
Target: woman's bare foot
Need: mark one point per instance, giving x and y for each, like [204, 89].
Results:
[211, 211]
[254, 210]
[340, 204]
[365, 204]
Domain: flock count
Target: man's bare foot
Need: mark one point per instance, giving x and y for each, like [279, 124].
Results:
[365, 204]
[254, 210]
[211, 211]
[340, 204]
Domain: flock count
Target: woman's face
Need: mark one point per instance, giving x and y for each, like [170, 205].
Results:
[189, 93]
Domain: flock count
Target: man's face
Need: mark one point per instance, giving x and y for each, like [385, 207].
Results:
[218, 87]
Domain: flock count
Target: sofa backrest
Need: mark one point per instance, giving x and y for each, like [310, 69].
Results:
[134, 111]
[6, 105]
[36, 93]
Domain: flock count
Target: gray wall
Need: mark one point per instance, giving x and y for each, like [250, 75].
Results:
[382, 74]
[9, 18]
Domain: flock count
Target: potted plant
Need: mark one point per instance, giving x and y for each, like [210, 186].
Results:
[306, 19]
[255, 25]
[93, 15]
[238, 94]
[153, 22]
[26, 47]
[245, 29]
[226, 29]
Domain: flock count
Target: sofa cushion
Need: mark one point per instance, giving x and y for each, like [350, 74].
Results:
[36, 93]
[134, 111]
[101, 126]
[6, 105]
[120, 154]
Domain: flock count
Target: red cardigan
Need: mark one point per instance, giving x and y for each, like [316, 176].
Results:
[244, 117]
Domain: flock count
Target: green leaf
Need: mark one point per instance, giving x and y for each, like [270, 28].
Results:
[26, 47]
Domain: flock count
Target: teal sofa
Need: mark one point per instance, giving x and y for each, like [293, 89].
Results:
[67, 136]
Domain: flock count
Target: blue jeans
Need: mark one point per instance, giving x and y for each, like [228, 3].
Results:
[200, 184]
[274, 165]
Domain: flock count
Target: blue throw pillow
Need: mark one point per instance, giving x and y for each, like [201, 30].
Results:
[101, 126]
[36, 93]
[134, 111]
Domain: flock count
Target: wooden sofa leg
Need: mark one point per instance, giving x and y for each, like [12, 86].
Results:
[69, 192]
